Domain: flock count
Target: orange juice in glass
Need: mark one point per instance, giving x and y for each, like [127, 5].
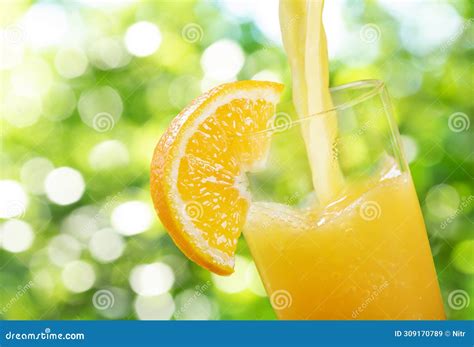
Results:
[363, 255]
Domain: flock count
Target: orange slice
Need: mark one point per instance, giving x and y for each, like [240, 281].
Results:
[198, 181]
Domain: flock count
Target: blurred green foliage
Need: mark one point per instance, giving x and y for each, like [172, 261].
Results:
[41, 94]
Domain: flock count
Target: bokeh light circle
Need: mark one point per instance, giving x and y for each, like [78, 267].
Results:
[108, 155]
[442, 201]
[100, 108]
[142, 39]
[78, 276]
[63, 249]
[132, 217]
[83, 222]
[46, 25]
[59, 102]
[32, 78]
[22, 110]
[16, 236]
[222, 60]
[106, 245]
[70, 62]
[267, 75]
[108, 53]
[160, 307]
[151, 279]
[192, 305]
[64, 186]
[33, 174]
[13, 199]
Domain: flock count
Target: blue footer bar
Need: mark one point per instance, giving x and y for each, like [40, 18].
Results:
[237, 333]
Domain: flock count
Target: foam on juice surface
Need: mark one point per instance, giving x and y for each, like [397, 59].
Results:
[272, 215]
[305, 44]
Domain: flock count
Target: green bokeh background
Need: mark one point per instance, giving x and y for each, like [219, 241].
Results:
[431, 87]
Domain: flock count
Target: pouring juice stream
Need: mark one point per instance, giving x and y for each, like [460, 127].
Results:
[304, 39]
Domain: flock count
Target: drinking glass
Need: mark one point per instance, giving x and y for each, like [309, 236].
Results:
[362, 254]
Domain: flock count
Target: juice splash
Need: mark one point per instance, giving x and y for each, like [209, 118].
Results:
[304, 39]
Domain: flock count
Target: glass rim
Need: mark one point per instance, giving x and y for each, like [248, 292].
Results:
[374, 87]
